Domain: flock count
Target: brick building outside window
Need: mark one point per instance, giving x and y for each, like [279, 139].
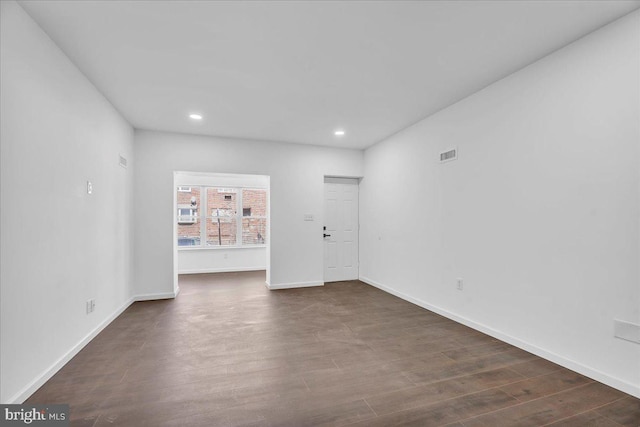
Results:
[233, 216]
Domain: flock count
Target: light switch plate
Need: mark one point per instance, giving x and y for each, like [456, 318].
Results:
[308, 217]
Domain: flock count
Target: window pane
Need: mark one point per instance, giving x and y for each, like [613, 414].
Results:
[188, 199]
[189, 233]
[254, 203]
[221, 231]
[221, 216]
[254, 212]
[188, 214]
[254, 231]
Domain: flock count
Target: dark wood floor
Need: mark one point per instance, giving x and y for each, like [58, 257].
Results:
[228, 352]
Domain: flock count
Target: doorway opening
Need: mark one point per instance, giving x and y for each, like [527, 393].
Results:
[221, 223]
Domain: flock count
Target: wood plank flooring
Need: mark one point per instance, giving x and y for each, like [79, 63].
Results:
[229, 352]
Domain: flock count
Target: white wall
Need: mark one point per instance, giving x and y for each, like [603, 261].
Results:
[220, 259]
[297, 181]
[539, 216]
[60, 246]
[216, 260]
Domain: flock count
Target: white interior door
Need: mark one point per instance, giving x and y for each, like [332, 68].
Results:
[341, 229]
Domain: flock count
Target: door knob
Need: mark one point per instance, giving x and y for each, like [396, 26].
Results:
[326, 235]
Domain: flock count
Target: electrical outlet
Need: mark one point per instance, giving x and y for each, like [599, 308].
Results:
[89, 187]
[460, 283]
[88, 306]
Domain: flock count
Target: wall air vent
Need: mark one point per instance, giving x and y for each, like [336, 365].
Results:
[123, 162]
[447, 156]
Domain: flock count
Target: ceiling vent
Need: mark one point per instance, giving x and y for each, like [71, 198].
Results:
[449, 155]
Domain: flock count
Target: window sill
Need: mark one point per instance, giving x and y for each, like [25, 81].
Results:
[218, 248]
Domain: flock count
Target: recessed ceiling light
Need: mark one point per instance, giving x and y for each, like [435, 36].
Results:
[339, 133]
[196, 116]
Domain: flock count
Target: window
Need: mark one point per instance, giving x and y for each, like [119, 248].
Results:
[221, 229]
[188, 219]
[187, 215]
[231, 217]
[254, 216]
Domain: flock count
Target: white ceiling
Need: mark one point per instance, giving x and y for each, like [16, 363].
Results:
[296, 71]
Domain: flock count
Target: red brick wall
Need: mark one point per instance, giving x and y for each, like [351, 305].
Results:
[256, 200]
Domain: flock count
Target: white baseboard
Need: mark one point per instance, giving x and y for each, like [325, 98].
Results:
[32, 387]
[220, 270]
[163, 295]
[274, 287]
[602, 377]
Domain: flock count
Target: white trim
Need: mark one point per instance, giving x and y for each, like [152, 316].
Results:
[39, 381]
[218, 248]
[358, 178]
[602, 377]
[293, 285]
[341, 180]
[174, 236]
[196, 179]
[34, 385]
[221, 270]
[152, 297]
